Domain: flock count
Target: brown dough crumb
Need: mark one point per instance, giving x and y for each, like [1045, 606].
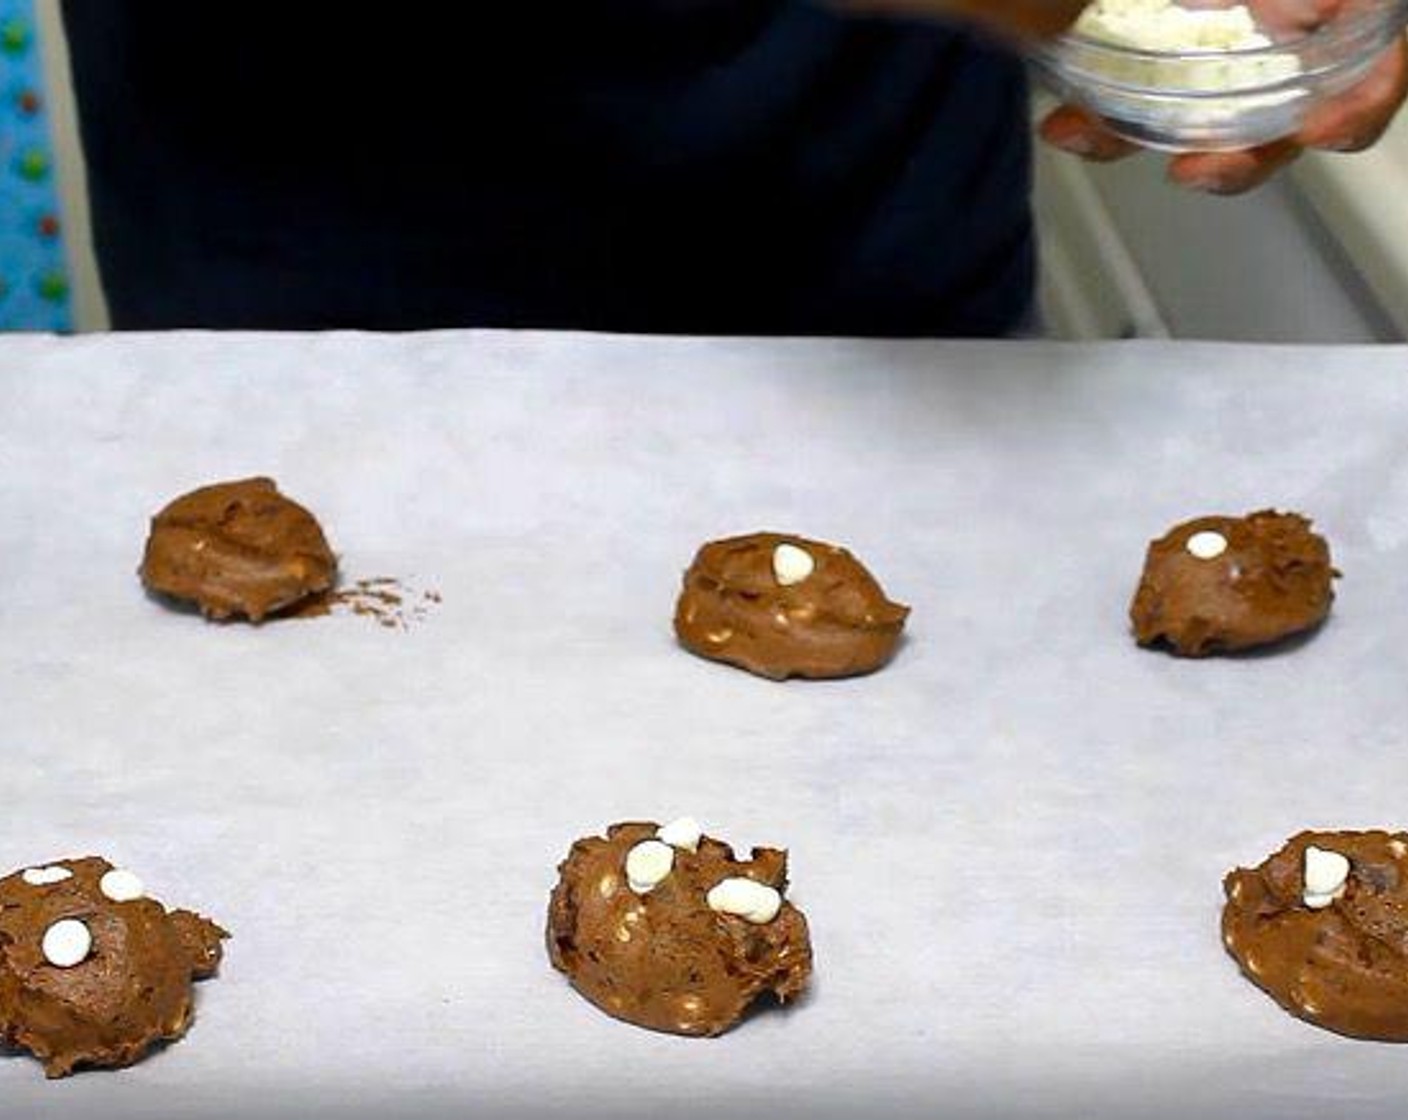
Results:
[382, 599]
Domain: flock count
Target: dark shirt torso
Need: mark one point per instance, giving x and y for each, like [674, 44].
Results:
[674, 165]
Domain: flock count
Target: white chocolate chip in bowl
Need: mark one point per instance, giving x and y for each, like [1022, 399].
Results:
[1207, 545]
[46, 876]
[648, 865]
[66, 943]
[120, 885]
[745, 898]
[791, 564]
[1326, 874]
[683, 834]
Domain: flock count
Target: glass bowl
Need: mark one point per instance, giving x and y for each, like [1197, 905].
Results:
[1210, 100]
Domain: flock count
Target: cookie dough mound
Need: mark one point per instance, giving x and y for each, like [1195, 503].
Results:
[782, 606]
[1322, 928]
[91, 972]
[1221, 584]
[237, 549]
[665, 929]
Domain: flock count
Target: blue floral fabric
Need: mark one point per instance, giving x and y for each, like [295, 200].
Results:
[34, 283]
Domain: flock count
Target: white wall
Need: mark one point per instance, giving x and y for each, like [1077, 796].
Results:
[1363, 199]
[1254, 268]
[1318, 256]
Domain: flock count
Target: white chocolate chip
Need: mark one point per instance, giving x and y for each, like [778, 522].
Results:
[648, 865]
[791, 564]
[1325, 876]
[683, 833]
[121, 886]
[67, 943]
[46, 876]
[1207, 545]
[745, 898]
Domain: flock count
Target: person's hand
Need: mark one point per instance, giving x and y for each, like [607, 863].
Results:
[1350, 122]
[1012, 18]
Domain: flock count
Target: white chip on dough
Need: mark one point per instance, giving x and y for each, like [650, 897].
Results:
[1207, 545]
[121, 886]
[791, 565]
[684, 834]
[67, 943]
[1325, 876]
[745, 898]
[46, 876]
[648, 865]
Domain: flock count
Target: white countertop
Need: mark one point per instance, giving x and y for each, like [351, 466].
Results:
[1009, 844]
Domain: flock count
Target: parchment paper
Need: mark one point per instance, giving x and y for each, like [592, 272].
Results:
[1009, 844]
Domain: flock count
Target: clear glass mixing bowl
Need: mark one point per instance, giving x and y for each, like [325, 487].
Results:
[1218, 100]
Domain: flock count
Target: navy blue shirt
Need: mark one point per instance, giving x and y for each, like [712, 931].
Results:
[710, 166]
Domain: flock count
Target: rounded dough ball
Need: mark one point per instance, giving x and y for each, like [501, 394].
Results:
[1222, 584]
[237, 549]
[664, 959]
[89, 981]
[1340, 962]
[783, 606]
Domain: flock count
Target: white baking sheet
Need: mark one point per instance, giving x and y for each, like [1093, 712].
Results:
[1009, 844]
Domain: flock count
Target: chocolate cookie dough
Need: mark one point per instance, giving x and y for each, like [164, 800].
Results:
[1322, 928]
[663, 928]
[92, 973]
[1221, 584]
[237, 549]
[782, 606]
